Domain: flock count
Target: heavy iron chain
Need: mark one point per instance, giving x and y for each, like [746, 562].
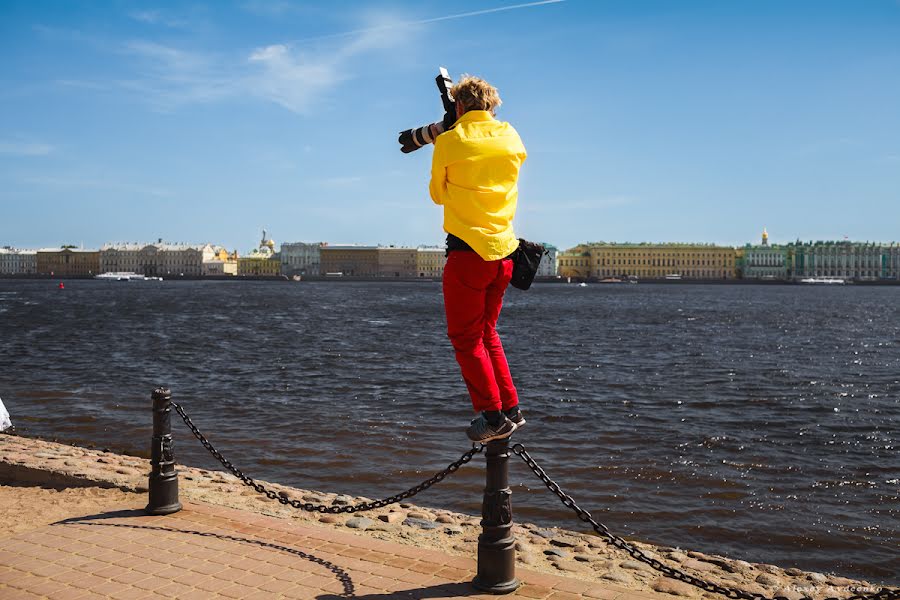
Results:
[614, 540]
[322, 508]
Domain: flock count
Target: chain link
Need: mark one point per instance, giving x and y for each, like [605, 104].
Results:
[636, 553]
[323, 508]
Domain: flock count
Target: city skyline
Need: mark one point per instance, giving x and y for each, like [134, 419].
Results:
[695, 121]
[762, 239]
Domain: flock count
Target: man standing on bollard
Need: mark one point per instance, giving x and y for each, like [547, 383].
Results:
[474, 175]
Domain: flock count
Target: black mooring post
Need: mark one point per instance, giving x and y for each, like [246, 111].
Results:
[163, 478]
[496, 544]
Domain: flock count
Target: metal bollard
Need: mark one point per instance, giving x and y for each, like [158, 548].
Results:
[496, 544]
[163, 477]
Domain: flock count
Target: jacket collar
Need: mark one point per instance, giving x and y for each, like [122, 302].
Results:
[475, 115]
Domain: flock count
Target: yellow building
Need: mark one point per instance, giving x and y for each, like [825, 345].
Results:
[649, 261]
[576, 262]
[261, 262]
[430, 262]
[258, 266]
[68, 262]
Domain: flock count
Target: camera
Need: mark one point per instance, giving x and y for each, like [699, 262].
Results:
[413, 139]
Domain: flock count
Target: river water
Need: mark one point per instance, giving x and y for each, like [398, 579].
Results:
[758, 422]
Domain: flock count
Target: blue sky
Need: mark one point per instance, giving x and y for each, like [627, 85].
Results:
[644, 121]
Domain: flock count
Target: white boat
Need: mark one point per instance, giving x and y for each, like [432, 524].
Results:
[825, 280]
[125, 276]
[673, 276]
[5, 422]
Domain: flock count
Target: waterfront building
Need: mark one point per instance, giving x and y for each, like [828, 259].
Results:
[68, 262]
[6, 261]
[603, 260]
[28, 262]
[764, 261]
[430, 261]
[549, 262]
[221, 263]
[349, 260]
[161, 259]
[17, 262]
[575, 262]
[860, 261]
[301, 258]
[396, 261]
[262, 261]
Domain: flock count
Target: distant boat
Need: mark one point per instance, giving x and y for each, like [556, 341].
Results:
[125, 276]
[673, 276]
[582, 284]
[825, 280]
[5, 422]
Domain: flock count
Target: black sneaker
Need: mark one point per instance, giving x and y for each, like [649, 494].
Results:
[516, 417]
[483, 432]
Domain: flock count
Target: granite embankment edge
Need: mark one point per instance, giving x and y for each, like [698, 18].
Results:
[585, 556]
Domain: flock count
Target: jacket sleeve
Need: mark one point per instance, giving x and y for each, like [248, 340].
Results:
[438, 186]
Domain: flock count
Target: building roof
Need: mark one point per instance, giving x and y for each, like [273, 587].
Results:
[74, 250]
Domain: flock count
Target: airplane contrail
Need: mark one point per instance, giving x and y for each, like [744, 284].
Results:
[473, 13]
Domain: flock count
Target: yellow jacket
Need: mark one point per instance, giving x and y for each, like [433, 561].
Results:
[473, 175]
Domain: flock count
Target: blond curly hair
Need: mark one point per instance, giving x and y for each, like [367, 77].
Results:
[475, 93]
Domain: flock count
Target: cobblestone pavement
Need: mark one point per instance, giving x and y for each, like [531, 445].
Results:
[207, 552]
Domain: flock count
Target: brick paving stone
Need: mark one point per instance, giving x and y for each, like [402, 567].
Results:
[233, 591]
[400, 562]
[198, 595]
[573, 586]
[603, 594]
[454, 574]
[534, 591]
[47, 587]
[68, 593]
[277, 586]
[212, 584]
[108, 587]
[206, 567]
[556, 595]
[421, 579]
[128, 576]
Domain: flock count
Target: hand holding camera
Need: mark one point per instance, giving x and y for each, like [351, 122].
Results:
[413, 139]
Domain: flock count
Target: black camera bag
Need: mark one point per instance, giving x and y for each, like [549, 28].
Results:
[526, 260]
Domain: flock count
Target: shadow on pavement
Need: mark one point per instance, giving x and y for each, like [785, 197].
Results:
[445, 590]
[94, 520]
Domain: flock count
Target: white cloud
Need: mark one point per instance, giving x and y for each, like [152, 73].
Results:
[23, 148]
[385, 25]
[291, 77]
[172, 77]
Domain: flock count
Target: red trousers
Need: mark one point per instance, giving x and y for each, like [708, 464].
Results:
[473, 296]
